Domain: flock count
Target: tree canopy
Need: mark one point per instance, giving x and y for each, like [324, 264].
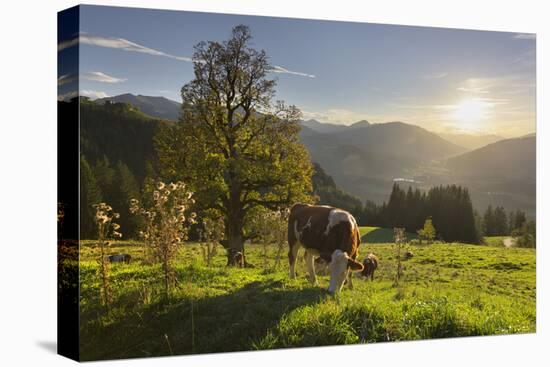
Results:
[233, 145]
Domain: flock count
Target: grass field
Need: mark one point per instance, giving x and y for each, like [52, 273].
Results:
[381, 235]
[448, 290]
[495, 240]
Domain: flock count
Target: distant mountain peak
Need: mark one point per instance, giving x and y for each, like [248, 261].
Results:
[322, 127]
[361, 123]
[155, 106]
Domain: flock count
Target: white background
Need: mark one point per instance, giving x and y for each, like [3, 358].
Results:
[28, 181]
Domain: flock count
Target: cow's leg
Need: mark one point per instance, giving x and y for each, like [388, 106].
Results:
[292, 258]
[350, 284]
[310, 263]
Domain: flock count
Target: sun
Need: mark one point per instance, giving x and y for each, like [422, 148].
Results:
[470, 112]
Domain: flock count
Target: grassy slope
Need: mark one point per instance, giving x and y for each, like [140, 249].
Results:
[495, 240]
[448, 290]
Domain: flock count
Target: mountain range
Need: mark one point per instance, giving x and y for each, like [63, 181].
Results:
[470, 141]
[365, 159]
[160, 107]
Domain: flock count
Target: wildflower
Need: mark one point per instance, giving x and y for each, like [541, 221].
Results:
[102, 218]
[134, 202]
[116, 215]
[156, 195]
[115, 226]
[160, 185]
[173, 186]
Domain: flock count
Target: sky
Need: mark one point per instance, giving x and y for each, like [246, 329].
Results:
[445, 80]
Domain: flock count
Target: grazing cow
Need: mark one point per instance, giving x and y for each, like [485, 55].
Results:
[235, 258]
[120, 258]
[321, 266]
[370, 264]
[329, 233]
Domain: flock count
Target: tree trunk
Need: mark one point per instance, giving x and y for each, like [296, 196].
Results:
[234, 240]
[234, 222]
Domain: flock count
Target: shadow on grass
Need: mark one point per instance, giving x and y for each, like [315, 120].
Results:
[217, 324]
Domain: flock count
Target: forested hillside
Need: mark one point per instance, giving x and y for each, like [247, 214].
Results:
[118, 156]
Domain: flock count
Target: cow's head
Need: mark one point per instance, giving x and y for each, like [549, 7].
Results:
[339, 266]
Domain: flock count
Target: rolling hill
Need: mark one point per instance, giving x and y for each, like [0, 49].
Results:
[471, 141]
[509, 158]
[159, 107]
[321, 127]
[502, 173]
[364, 159]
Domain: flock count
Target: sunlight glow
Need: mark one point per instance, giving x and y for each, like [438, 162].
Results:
[470, 110]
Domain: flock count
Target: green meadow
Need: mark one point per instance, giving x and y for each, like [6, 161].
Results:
[447, 290]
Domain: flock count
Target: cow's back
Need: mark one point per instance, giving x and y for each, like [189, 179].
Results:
[313, 228]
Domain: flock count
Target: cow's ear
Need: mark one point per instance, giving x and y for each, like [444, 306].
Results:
[354, 265]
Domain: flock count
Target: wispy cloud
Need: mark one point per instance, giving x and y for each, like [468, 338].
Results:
[527, 59]
[495, 85]
[525, 36]
[98, 76]
[476, 86]
[95, 76]
[436, 75]
[334, 115]
[117, 43]
[126, 45]
[282, 70]
[67, 96]
[93, 94]
[66, 78]
[475, 90]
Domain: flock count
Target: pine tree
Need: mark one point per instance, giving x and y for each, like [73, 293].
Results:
[90, 194]
[104, 174]
[500, 222]
[397, 207]
[517, 220]
[489, 222]
[125, 188]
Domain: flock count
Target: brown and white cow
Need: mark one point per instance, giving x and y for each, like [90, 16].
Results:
[329, 233]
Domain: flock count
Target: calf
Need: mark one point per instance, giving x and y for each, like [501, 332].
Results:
[125, 258]
[235, 258]
[329, 233]
[370, 264]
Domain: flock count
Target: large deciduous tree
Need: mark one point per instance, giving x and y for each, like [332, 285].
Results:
[235, 147]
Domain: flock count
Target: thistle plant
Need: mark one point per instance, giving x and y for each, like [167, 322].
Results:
[166, 225]
[400, 240]
[210, 236]
[106, 230]
[270, 227]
